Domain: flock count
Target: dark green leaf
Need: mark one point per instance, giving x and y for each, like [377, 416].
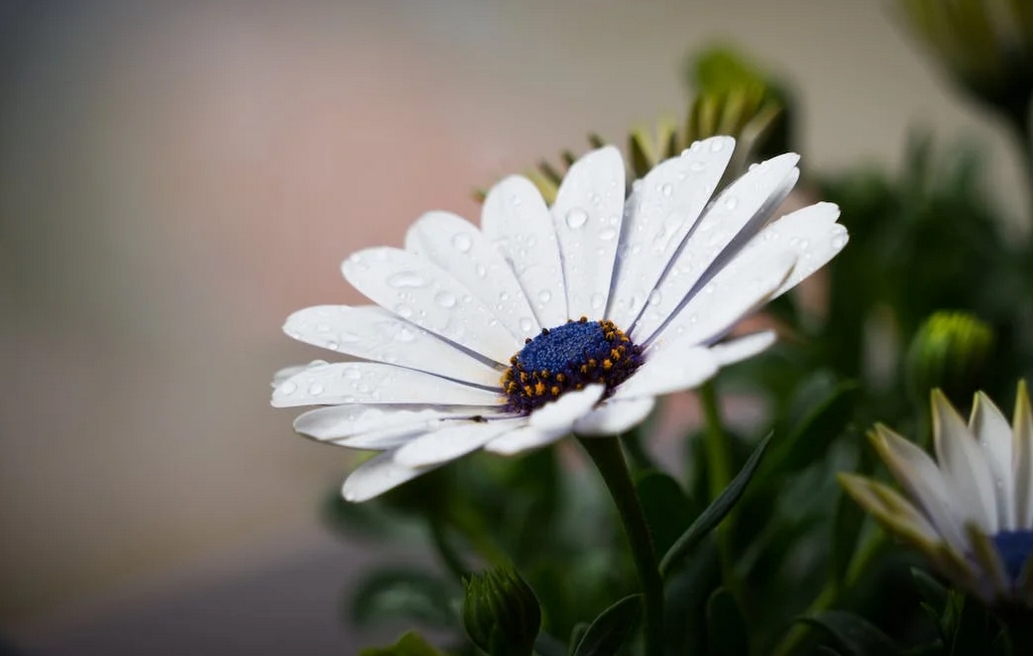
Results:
[854, 635]
[410, 644]
[812, 437]
[611, 629]
[726, 628]
[404, 593]
[666, 507]
[931, 590]
[714, 513]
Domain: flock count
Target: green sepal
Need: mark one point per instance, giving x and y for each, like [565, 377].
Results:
[611, 629]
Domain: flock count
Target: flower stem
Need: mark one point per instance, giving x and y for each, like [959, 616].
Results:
[609, 459]
[445, 549]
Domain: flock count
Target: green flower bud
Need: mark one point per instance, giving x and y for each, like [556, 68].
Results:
[950, 351]
[501, 613]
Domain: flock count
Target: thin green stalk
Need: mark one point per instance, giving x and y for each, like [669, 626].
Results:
[467, 524]
[449, 556]
[609, 459]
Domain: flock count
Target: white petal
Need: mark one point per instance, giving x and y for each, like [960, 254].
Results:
[420, 292]
[613, 417]
[521, 439]
[730, 221]
[282, 375]
[741, 288]
[587, 214]
[376, 426]
[1022, 448]
[677, 369]
[916, 472]
[374, 383]
[376, 476]
[964, 467]
[451, 441]
[994, 435]
[811, 233]
[741, 348]
[558, 417]
[373, 333]
[459, 248]
[661, 210]
[517, 221]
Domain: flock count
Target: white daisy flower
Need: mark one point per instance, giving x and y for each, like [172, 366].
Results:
[547, 321]
[971, 511]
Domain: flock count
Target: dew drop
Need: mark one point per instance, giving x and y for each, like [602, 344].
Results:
[405, 335]
[352, 373]
[290, 387]
[717, 145]
[655, 297]
[315, 389]
[406, 279]
[697, 166]
[731, 202]
[462, 242]
[526, 324]
[838, 242]
[332, 345]
[667, 189]
[403, 310]
[481, 271]
[514, 200]
[445, 299]
[597, 301]
[576, 218]
[608, 234]
[545, 296]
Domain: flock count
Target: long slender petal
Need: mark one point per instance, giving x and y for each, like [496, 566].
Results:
[614, 417]
[1022, 448]
[964, 467]
[378, 475]
[452, 440]
[678, 369]
[993, 433]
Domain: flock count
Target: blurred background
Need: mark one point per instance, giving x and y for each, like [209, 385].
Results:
[176, 178]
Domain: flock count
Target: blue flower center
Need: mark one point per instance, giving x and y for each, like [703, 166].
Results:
[568, 357]
[1015, 548]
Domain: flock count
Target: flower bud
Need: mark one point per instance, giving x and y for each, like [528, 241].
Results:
[950, 351]
[501, 613]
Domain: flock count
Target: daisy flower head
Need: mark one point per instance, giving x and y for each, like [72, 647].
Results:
[547, 321]
[971, 510]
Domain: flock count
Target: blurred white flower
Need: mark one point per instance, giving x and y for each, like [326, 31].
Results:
[971, 511]
[547, 321]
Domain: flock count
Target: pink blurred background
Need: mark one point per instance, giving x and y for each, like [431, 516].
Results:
[175, 179]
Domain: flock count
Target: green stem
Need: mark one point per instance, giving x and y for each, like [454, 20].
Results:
[831, 593]
[719, 465]
[446, 550]
[609, 459]
[472, 529]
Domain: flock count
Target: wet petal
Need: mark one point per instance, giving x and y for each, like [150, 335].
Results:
[516, 219]
[374, 383]
[459, 248]
[994, 435]
[741, 348]
[677, 369]
[587, 214]
[964, 467]
[522, 439]
[422, 293]
[373, 333]
[378, 427]
[614, 417]
[451, 441]
[378, 475]
[558, 417]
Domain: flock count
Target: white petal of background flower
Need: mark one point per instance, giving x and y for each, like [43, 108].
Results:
[662, 208]
[559, 416]
[741, 348]
[1022, 446]
[676, 369]
[916, 472]
[373, 333]
[732, 218]
[964, 467]
[373, 383]
[378, 475]
[614, 417]
[516, 219]
[452, 441]
[461, 249]
[993, 433]
[587, 214]
[424, 294]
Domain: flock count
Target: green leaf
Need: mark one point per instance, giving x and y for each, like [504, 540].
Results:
[410, 644]
[666, 507]
[714, 513]
[725, 626]
[404, 593]
[931, 590]
[611, 629]
[812, 436]
[853, 635]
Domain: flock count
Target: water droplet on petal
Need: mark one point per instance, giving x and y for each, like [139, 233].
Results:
[332, 345]
[597, 301]
[403, 310]
[352, 373]
[481, 270]
[655, 297]
[462, 242]
[667, 189]
[406, 279]
[608, 234]
[731, 202]
[717, 145]
[576, 218]
[697, 166]
[445, 299]
[347, 337]
[839, 241]
[405, 335]
[290, 387]
[526, 324]
[315, 389]
[544, 296]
